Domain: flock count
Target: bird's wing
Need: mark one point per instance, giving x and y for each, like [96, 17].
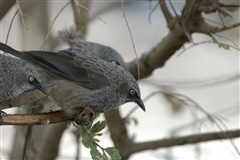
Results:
[86, 71]
[83, 70]
[97, 70]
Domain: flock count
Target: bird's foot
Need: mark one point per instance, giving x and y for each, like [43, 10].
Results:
[2, 113]
[85, 117]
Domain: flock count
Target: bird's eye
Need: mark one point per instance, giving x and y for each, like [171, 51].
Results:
[115, 62]
[132, 92]
[31, 79]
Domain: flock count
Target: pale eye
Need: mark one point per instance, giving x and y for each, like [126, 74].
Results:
[132, 92]
[115, 62]
[31, 79]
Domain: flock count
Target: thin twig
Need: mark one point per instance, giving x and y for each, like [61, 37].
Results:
[227, 27]
[216, 120]
[227, 39]
[221, 18]
[22, 15]
[151, 12]
[234, 110]
[213, 81]
[207, 19]
[176, 15]
[91, 13]
[10, 26]
[129, 30]
[136, 107]
[45, 41]
[204, 42]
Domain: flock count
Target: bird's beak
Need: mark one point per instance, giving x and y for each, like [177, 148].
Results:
[140, 103]
[42, 88]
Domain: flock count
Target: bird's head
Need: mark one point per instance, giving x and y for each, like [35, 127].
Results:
[30, 78]
[36, 84]
[134, 96]
[130, 91]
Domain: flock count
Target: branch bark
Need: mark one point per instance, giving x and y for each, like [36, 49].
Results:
[38, 119]
[118, 131]
[167, 14]
[177, 141]
[159, 55]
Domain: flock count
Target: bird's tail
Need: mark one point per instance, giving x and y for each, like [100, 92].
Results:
[10, 50]
[71, 36]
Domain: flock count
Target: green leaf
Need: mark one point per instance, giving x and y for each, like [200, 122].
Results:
[96, 140]
[96, 155]
[232, 9]
[97, 127]
[214, 40]
[98, 134]
[86, 140]
[225, 46]
[113, 153]
[221, 45]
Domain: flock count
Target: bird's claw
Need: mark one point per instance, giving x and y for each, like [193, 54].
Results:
[85, 117]
[2, 113]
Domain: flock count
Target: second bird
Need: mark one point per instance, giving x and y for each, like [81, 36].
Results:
[17, 77]
[83, 80]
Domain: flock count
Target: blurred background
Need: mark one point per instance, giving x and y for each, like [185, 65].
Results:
[205, 73]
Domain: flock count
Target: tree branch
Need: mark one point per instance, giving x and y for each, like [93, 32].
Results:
[190, 22]
[38, 119]
[227, 27]
[118, 131]
[177, 141]
[158, 56]
[167, 14]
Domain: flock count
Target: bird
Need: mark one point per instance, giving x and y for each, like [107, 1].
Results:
[83, 80]
[82, 47]
[17, 77]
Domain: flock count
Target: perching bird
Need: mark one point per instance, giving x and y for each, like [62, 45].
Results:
[17, 77]
[83, 80]
[82, 47]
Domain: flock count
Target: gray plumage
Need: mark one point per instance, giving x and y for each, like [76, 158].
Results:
[83, 80]
[17, 77]
[82, 47]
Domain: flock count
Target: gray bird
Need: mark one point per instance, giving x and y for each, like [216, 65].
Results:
[82, 47]
[17, 77]
[83, 80]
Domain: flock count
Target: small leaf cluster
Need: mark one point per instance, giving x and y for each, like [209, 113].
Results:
[89, 140]
[221, 45]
